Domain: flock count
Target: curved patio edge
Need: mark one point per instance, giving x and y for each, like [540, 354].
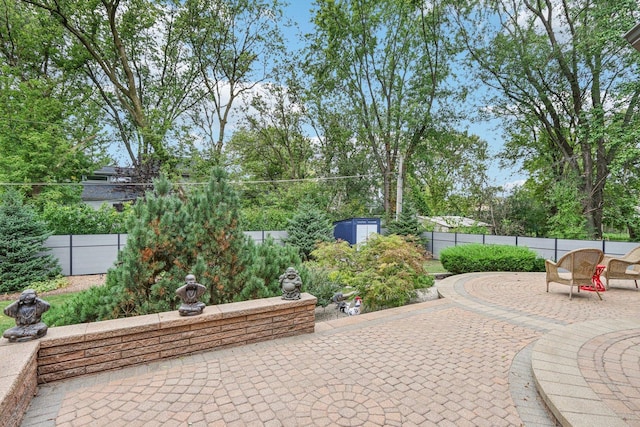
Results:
[559, 379]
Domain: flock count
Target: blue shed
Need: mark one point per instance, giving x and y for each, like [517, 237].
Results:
[356, 230]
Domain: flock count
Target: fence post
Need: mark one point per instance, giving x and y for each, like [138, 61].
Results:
[70, 254]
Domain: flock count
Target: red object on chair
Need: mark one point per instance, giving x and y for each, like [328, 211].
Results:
[597, 283]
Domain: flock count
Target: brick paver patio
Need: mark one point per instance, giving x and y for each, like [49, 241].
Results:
[463, 360]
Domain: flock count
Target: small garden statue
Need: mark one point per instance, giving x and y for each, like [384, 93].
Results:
[28, 313]
[291, 284]
[190, 292]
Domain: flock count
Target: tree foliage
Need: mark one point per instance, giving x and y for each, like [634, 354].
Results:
[566, 85]
[47, 133]
[520, 213]
[80, 218]
[448, 174]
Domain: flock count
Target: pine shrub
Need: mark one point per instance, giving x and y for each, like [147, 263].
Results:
[270, 261]
[223, 251]
[172, 234]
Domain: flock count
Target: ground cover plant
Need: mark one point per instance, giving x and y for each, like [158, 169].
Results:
[475, 257]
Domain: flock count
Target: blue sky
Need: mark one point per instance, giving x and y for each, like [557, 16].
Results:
[299, 12]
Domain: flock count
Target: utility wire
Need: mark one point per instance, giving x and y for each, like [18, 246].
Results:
[275, 181]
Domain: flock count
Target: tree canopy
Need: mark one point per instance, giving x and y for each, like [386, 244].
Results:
[566, 85]
[378, 94]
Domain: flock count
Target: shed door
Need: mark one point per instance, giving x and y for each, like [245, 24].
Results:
[364, 230]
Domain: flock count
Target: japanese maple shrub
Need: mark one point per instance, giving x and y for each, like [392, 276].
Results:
[385, 271]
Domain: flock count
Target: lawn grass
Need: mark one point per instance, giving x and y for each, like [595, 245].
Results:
[7, 322]
[434, 266]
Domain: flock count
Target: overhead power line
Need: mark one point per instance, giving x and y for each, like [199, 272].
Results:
[106, 183]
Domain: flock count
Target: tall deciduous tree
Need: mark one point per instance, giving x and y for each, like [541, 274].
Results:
[388, 61]
[134, 55]
[566, 84]
[234, 45]
[449, 173]
[340, 155]
[271, 145]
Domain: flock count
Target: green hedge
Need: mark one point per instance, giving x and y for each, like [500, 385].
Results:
[476, 257]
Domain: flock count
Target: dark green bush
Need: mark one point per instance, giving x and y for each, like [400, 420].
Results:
[90, 305]
[316, 281]
[476, 257]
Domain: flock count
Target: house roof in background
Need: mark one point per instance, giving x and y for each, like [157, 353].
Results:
[105, 192]
[454, 221]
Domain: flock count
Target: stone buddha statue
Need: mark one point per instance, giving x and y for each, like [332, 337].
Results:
[190, 293]
[28, 313]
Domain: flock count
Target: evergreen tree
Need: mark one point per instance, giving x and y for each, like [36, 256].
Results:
[407, 223]
[172, 234]
[23, 257]
[308, 227]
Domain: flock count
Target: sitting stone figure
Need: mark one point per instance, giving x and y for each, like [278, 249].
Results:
[291, 284]
[27, 311]
[190, 292]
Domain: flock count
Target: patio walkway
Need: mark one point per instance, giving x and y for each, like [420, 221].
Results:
[463, 360]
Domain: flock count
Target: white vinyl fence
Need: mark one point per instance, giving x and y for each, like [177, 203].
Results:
[96, 253]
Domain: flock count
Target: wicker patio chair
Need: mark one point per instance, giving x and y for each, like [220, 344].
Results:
[625, 268]
[575, 268]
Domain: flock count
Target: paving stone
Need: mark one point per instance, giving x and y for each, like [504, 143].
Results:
[465, 359]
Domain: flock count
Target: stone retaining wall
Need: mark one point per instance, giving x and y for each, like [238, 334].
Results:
[74, 350]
